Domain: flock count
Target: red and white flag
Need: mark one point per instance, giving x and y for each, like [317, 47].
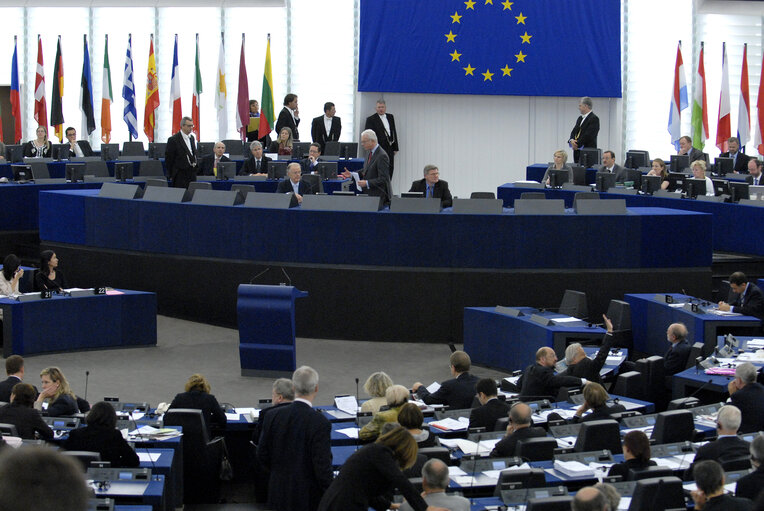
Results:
[242, 102]
[40, 107]
[723, 126]
[195, 101]
[744, 109]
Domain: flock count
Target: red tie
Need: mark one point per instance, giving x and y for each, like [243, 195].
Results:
[368, 160]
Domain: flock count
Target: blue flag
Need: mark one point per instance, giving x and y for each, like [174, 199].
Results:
[86, 93]
[520, 47]
[128, 92]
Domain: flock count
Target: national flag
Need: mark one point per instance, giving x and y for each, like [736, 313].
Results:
[40, 107]
[86, 92]
[56, 110]
[129, 113]
[221, 94]
[758, 138]
[152, 94]
[678, 99]
[744, 107]
[267, 117]
[700, 106]
[106, 95]
[15, 100]
[195, 102]
[242, 105]
[177, 110]
[723, 125]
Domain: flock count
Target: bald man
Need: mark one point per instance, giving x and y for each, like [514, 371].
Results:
[539, 381]
[675, 359]
[589, 498]
[520, 427]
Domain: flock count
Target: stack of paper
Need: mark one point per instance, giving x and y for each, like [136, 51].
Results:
[349, 432]
[470, 447]
[449, 424]
[347, 404]
[573, 468]
[250, 414]
[676, 462]
[155, 433]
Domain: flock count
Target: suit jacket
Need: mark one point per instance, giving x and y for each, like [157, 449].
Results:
[63, 406]
[750, 303]
[261, 419]
[377, 172]
[750, 400]
[590, 368]
[485, 416]
[286, 120]
[180, 163]
[318, 131]
[84, 146]
[586, 134]
[285, 186]
[538, 381]
[741, 164]
[305, 165]
[249, 166]
[27, 421]
[198, 400]
[622, 469]
[295, 446]
[603, 412]
[506, 446]
[207, 164]
[457, 392]
[695, 154]
[749, 180]
[723, 449]
[106, 441]
[750, 486]
[389, 142]
[6, 386]
[620, 172]
[727, 503]
[675, 359]
[440, 191]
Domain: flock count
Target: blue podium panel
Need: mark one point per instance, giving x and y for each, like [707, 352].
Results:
[65, 323]
[266, 329]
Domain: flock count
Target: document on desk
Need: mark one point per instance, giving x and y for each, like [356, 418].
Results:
[250, 414]
[349, 432]
[717, 312]
[566, 319]
[148, 457]
[449, 424]
[613, 360]
[676, 462]
[573, 468]
[347, 404]
[566, 441]
[231, 416]
[544, 415]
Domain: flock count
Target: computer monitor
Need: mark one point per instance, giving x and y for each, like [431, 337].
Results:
[694, 187]
[756, 192]
[658, 493]
[558, 177]
[603, 181]
[635, 176]
[348, 150]
[22, 173]
[226, 170]
[588, 157]
[579, 175]
[738, 191]
[314, 182]
[327, 170]
[679, 162]
[636, 159]
[676, 181]
[723, 166]
[651, 184]
[123, 170]
[277, 169]
[300, 149]
[75, 172]
[720, 187]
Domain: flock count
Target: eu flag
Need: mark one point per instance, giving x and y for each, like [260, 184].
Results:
[520, 47]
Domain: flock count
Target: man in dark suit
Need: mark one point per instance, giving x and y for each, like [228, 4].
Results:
[675, 359]
[748, 395]
[433, 186]
[739, 160]
[209, 164]
[180, 155]
[75, 148]
[293, 183]
[490, 409]
[309, 165]
[455, 393]
[580, 365]
[685, 147]
[751, 486]
[14, 368]
[749, 299]
[289, 116]
[519, 428]
[326, 128]
[383, 124]
[295, 446]
[375, 175]
[282, 394]
[538, 381]
[710, 496]
[611, 167]
[727, 446]
[755, 166]
[584, 133]
[257, 164]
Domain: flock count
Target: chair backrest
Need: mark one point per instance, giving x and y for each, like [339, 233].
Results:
[40, 170]
[440, 453]
[162, 183]
[482, 195]
[556, 503]
[584, 196]
[157, 150]
[134, 148]
[619, 313]
[84, 457]
[599, 435]
[96, 168]
[243, 189]
[653, 377]
[501, 424]
[199, 185]
[649, 472]
[536, 449]
[673, 426]
[532, 195]
[8, 430]
[192, 422]
[573, 303]
[733, 464]
[109, 151]
[234, 146]
[696, 350]
[628, 384]
[151, 168]
[658, 494]
[332, 149]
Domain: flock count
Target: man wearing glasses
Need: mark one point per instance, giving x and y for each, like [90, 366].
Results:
[180, 156]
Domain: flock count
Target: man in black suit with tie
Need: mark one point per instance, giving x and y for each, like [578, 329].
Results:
[739, 160]
[14, 368]
[209, 164]
[433, 186]
[326, 128]
[309, 165]
[75, 148]
[538, 381]
[685, 147]
[727, 446]
[295, 446]
[293, 183]
[383, 125]
[584, 133]
[455, 393]
[754, 172]
[748, 395]
[180, 156]
[289, 116]
[520, 427]
[257, 164]
[749, 299]
[675, 359]
[611, 167]
[375, 175]
[490, 409]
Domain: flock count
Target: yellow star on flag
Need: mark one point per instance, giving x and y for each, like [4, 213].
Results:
[507, 5]
[470, 4]
[468, 70]
[506, 70]
[521, 19]
[489, 2]
[520, 56]
[450, 37]
[456, 17]
[455, 56]
[487, 75]
[526, 38]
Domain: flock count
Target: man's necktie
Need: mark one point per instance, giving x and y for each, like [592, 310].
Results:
[429, 191]
[257, 165]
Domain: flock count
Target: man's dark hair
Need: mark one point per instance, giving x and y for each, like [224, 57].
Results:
[13, 364]
[66, 131]
[23, 395]
[289, 98]
[316, 145]
[738, 278]
[611, 153]
[487, 386]
[709, 476]
[328, 106]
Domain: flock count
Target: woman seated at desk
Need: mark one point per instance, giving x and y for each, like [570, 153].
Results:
[102, 436]
[396, 396]
[595, 399]
[282, 145]
[411, 418]
[10, 276]
[56, 392]
[699, 172]
[40, 147]
[49, 277]
[659, 169]
[197, 396]
[560, 163]
[376, 385]
[636, 452]
[21, 413]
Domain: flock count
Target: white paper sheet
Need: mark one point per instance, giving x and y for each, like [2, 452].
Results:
[349, 432]
[148, 457]
[347, 404]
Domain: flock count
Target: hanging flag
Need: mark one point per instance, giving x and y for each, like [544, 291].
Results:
[15, 100]
[177, 111]
[197, 93]
[678, 99]
[56, 110]
[723, 125]
[700, 106]
[129, 114]
[152, 94]
[40, 107]
[221, 94]
[758, 137]
[744, 107]
[242, 104]
[106, 96]
[86, 92]
[267, 117]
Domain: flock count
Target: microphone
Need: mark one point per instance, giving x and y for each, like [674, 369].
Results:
[357, 419]
[472, 473]
[286, 275]
[87, 377]
[259, 274]
[709, 382]
[154, 474]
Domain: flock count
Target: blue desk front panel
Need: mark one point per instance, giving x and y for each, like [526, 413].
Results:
[443, 240]
[20, 204]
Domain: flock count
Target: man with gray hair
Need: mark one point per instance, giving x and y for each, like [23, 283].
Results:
[611, 494]
[435, 480]
[589, 498]
[581, 366]
[294, 183]
[748, 395]
[375, 175]
[727, 446]
[383, 125]
[433, 186]
[584, 133]
[295, 446]
[751, 485]
[257, 165]
[208, 166]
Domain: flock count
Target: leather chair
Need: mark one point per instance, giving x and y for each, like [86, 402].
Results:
[84, 457]
[599, 435]
[8, 430]
[673, 426]
[536, 449]
[649, 472]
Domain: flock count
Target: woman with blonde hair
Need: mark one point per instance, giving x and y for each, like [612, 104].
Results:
[40, 147]
[595, 399]
[376, 385]
[283, 144]
[197, 396]
[560, 163]
[699, 172]
[396, 396]
[57, 393]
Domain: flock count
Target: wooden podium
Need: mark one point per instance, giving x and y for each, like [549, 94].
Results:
[266, 329]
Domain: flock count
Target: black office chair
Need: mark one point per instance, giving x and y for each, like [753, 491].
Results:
[527, 478]
[109, 152]
[649, 472]
[197, 185]
[134, 148]
[8, 430]
[533, 195]
[628, 384]
[658, 494]
[556, 503]
[157, 150]
[96, 168]
[573, 303]
[440, 453]
[151, 168]
[205, 148]
[85, 458]
[599, 435]
[331, 149]
[235, 147]
[536, 449]
[695, 351]
[673, 426]
[653, 380]
[734, 464]
[584, 196]
[482, 195]
[501, 424]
